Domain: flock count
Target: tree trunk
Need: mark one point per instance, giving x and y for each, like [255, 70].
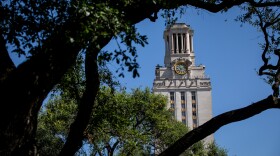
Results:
[24, 89]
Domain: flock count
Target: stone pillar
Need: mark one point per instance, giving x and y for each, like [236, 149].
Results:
[178, 106]
[189, 109]
[191, 43]
[188, 43]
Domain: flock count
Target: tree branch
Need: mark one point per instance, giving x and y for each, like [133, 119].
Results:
[276, 76]
[217, 122]
[76, 133]
[114, 146]
[28, 85]
[97, 148]
[6, 63]
[264, 4]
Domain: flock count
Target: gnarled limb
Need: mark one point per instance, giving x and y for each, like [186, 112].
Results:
[217, 122]
[268, 69]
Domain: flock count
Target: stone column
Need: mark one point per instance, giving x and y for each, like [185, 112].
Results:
[191, 43]
[189, 109]
[188, 43]
[178, 106]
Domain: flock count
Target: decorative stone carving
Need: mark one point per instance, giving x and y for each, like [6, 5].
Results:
[193, 83]
[205, 84]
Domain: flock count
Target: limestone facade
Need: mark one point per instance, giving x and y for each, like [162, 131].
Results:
[185, 84]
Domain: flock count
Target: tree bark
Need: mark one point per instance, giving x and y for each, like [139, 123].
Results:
[76, 134]
[25, 88]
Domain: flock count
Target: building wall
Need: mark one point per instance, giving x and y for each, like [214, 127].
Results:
[195, 85]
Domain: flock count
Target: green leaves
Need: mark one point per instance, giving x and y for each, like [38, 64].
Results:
[27, 24]
[124, 123]
[129, 38]
[53, 125]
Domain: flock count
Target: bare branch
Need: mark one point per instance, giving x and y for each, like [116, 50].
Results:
[263, 4]
[264, 26]
[226, 4]
[217, 122]
[268, 74]
[265, 50]
[114, 146]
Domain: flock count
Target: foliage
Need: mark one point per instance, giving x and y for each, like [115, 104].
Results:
[123, 123]
[52, 34]
[31, 24]
[53, 121]
[215, 150]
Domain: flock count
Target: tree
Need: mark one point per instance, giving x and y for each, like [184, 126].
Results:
[52, 34]
[133, 123]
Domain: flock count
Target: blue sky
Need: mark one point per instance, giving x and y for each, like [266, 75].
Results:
[232, 55]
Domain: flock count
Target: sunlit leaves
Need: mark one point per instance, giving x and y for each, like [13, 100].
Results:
[53, 125]
[132, 121]
[27, 24]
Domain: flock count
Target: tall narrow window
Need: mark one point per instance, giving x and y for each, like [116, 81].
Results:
[194, 105]
[174, 43]
[184, 43]
[172, 104]
[179, 43]
[194, 109]
[194, 113]
[193, 96]
[183, 107]
[172, 96]
[183, 96]
[194, 123]
[183, 101]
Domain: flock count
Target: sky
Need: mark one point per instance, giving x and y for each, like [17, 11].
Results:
[232, 55]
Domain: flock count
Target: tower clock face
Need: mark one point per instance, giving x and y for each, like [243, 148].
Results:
[181, 68]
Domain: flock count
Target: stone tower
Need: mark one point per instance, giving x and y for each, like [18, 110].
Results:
[184, 83]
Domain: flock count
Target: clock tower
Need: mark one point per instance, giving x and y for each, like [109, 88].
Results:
[184, 83]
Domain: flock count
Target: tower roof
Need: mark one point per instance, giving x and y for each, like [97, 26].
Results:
[178, 26]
